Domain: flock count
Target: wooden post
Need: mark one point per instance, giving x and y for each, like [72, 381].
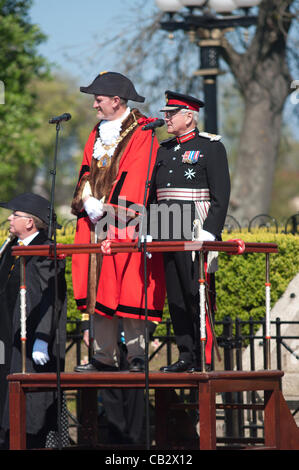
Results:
[88, 431]
[17, 416]
[161, 415]
[272, 418]
[207, 416]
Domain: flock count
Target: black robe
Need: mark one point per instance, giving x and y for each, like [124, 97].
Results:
[41, 413]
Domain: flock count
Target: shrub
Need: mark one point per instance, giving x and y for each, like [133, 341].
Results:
[240, 280]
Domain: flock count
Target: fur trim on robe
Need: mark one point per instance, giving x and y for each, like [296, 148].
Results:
[105, 182]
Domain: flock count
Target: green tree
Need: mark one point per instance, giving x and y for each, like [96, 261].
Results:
[56, 96]
[19, 63]
[263, 75]
[262, 64]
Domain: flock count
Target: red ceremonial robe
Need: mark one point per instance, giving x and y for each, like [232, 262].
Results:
[119, 286]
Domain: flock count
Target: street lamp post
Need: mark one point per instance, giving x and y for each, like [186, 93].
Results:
[209, 69]
[206, 28]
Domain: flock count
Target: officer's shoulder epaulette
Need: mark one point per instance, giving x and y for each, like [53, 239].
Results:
[212, 137]
[167, 142]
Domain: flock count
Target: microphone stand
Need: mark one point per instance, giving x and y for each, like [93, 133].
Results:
[52, 232]
[145, 254]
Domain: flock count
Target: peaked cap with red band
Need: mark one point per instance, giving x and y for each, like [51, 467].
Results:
[179, 101]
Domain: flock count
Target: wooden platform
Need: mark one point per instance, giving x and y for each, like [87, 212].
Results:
[280, 429]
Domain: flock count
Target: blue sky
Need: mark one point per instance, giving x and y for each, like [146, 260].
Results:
[74, 27]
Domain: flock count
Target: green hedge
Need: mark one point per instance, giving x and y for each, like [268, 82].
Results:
[240, 280]
[73, 312]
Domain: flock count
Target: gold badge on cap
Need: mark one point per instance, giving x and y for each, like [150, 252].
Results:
[102, 73]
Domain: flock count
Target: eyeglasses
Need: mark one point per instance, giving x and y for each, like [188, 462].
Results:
[14, 215]
[170, 114]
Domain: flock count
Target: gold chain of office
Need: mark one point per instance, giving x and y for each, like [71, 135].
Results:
[105, 159]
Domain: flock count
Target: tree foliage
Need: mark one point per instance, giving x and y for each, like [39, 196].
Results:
[19, 63]
[262, 60]
[262, 73]
[56, 96]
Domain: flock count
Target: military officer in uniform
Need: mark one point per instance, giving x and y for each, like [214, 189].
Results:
[191, 184]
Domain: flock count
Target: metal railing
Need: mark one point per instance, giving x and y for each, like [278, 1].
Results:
[232, 340]
[238, 335]
[287, 225]
[240, 412]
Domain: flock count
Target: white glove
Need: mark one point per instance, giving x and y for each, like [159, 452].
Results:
[40, 352]
[205, 236]
[94, 209]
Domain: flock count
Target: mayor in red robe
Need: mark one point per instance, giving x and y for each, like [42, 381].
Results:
[108, 202]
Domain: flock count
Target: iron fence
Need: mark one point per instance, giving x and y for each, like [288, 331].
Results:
[240, 413]
[233, 340]
[287, 225]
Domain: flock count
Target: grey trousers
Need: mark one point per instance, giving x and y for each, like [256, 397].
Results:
[106, 337]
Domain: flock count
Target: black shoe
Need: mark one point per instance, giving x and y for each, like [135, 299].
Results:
[85, 368]
[95, 366]
[198, 368]
[137, 365]
[179, 366]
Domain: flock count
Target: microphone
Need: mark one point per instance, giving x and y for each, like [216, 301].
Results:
[153, 125]
[63, 117]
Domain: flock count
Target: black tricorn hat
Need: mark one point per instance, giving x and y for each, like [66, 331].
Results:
[113, 84]
[32, 204]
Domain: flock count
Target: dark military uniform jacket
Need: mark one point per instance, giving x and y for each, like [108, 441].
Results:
[192, 173]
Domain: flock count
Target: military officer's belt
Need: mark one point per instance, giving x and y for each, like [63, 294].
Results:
[183, 194]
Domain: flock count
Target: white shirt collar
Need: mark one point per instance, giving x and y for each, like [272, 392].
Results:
[188, 132]
[29, 239]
